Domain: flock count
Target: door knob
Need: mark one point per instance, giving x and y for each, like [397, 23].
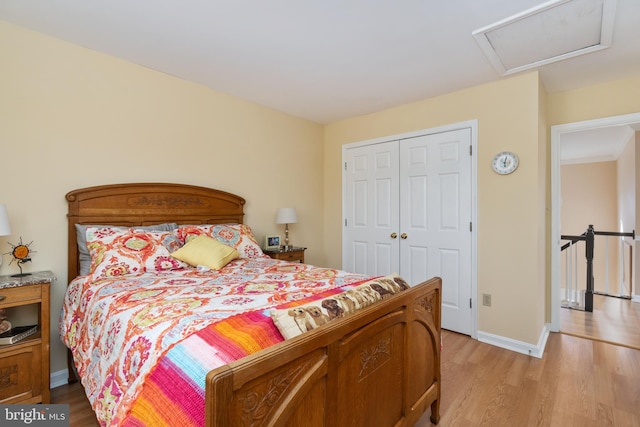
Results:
[394, 235]
[403, 236]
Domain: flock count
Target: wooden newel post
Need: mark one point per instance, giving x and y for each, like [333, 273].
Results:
[589, 243]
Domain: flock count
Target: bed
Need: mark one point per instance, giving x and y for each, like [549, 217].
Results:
[258, 365]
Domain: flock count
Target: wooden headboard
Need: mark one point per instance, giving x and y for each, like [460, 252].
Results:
[146, 204]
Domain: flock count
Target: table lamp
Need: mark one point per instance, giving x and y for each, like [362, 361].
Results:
[286, 216]
[5, 229]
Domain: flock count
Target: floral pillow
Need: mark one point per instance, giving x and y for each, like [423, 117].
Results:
[117, 252]
[84, 257]
[238, 236]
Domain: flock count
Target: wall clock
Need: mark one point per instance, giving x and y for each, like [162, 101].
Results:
[505, 162]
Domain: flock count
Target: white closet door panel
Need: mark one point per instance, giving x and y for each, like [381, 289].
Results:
[449, 204]
[359, 206]
[384, 263]
[435, 209]
[382, 208]
[449, 266]
[372, 208]
[417, 203]
[419, 262]
[358, 255]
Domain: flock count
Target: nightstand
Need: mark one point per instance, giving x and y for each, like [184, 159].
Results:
[24, 366]
[292, 254]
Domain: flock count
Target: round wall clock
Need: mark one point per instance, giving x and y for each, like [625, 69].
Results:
[505, 162]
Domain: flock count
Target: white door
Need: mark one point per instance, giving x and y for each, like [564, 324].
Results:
[435, 219]
[408, 210]
[371, 206]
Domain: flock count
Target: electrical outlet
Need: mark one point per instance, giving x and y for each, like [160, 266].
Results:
[486, 300]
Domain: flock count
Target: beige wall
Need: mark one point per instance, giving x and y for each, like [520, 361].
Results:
[543, 293]
[589, 197]
[609, 99]
[72, 118]
[511, 229]
[626, 179]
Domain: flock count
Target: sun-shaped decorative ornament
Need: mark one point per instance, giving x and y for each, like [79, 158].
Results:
[21, 253]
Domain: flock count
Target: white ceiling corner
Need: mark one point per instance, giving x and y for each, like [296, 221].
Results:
[551, 32]
[604, 144]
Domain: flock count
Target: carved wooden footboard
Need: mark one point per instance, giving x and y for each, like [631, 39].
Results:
[378, 367]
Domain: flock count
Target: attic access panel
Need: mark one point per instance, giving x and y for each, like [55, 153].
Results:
[551, 32]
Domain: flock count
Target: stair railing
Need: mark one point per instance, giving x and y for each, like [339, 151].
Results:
[571, 268]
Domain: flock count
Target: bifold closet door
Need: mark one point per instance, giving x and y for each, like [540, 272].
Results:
[372, 209]
[435, 219]
[408, 210]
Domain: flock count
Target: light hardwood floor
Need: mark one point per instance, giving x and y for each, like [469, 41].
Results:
[80, 412]
[614, 320]
[577, 382]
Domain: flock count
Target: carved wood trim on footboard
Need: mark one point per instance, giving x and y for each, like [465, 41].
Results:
[379, 366]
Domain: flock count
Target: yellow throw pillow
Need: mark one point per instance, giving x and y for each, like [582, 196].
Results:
[204, 250]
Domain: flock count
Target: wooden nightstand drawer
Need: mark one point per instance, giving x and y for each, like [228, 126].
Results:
[292, 254]
[21, 375]
[12, 296]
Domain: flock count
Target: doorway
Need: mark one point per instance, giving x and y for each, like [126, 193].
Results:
[558, 133]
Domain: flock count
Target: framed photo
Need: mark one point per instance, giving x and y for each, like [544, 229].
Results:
[272, 242]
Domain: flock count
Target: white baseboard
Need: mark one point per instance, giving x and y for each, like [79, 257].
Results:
[515, 345]
[59, 378]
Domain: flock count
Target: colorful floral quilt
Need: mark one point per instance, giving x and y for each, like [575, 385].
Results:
[143, 343]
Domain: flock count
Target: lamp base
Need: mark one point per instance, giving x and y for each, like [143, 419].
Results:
[286, 237]
[21, 275]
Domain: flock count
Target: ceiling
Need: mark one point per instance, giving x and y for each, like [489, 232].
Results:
[323, 60]
[328, 60]
[595, 145]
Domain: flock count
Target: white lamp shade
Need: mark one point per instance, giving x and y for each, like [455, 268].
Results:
[5, 230]
[286, 216]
